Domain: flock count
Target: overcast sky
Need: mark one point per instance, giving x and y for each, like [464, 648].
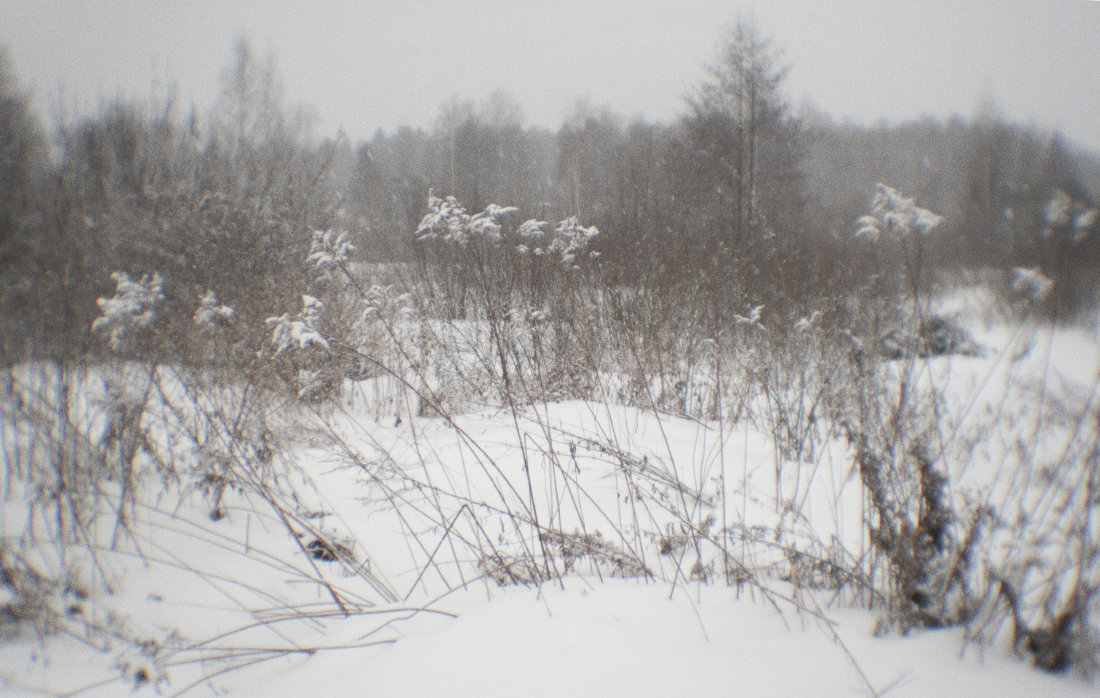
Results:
[381, 63]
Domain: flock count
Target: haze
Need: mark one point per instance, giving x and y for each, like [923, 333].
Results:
[378, 65]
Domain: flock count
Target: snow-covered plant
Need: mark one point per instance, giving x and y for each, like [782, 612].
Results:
[487, 224]
[383, 307]
[532, 228]
[383, 302]
[1084, 222]
[329, 249]
[132, 307]
[1063, 215]
[209, 314]
[449, 221]
[1031, 283]
[1057, 211]
[301, 330]
[568, 241]
[446, 219]
[534, 238]
[806, 323]
[753, 320]
[895, 215]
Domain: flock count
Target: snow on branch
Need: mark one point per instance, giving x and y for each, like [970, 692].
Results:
[133, 306]
[570, 240]
[532, 228]
[329, 249]
[446, 219]
[301, 330]
[753, 320]
[382, 299]
[487, 222]
[896, 215]
[1057, 211]
[449, 221]
[209, 314]
[1064, 216]
[1031, 283]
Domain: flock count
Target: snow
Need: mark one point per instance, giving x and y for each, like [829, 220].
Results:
[329, 249]
[421, 619]
[301, 331]
[209, 313]
[132, 306]
[628, 638]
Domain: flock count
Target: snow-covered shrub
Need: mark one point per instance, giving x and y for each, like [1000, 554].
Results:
[521, 284]
[216, 326]
[1030, 284]
[473, 242]
[888, 420]
[896, 229]
[1071, 220]
[911, 525]
[566, 244]
[305, 350]
[388, 347]
[300, 331]
[919, 540]
[131, 310]
[329, 249]
[896, 216]
[210, 314]
[1066, 242]
[448, 220]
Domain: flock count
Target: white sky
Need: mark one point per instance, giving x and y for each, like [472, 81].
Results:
[380, 63]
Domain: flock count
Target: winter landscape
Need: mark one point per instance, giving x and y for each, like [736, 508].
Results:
[746, 400]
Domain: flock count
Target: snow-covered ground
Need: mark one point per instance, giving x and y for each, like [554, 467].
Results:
[625, 638]
[434, 519]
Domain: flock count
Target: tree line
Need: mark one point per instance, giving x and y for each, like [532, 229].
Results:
[743, 198]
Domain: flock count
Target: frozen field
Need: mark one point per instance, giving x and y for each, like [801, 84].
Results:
[571, 548]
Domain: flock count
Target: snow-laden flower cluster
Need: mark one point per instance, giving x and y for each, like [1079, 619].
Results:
[896, 215]
[133, 306]
[568, 241]
[329, 249]
[448, 220]
[209, 314]
[301, 330]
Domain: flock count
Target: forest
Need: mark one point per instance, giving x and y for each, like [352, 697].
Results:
[741, 192]
[841, 366]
